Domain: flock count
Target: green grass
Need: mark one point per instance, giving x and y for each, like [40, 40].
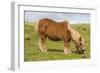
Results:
[55, 49]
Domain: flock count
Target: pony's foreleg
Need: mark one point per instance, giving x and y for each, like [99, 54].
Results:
[66, 51]
[42, 45]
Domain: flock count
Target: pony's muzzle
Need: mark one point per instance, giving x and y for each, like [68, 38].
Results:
[82, 51]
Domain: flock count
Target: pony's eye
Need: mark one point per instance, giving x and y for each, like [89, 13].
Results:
[81, 44]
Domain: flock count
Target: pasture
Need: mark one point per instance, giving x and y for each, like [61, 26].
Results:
[55, 49]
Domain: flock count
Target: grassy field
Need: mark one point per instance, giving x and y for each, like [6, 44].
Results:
[55, 49]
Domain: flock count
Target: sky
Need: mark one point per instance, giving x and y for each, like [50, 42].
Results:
[33, 16]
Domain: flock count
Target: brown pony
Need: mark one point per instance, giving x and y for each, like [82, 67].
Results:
[57, 31]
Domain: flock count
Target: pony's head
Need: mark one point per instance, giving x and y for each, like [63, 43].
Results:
[80, 45]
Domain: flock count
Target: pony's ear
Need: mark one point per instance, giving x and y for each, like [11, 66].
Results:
[80, 39]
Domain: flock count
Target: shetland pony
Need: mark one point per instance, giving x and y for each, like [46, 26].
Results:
[56, 31]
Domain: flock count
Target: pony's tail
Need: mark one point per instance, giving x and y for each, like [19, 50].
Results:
[36, 28]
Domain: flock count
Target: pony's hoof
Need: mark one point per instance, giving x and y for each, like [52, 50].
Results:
[67, 52]
[44, 50]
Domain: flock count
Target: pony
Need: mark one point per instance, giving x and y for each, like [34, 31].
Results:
[57, 31]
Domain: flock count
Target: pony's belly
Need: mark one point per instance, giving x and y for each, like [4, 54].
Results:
[54, 38]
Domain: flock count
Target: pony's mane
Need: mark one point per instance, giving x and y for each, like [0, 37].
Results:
[50, 20]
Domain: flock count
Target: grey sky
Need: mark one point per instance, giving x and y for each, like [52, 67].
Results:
[31, 16]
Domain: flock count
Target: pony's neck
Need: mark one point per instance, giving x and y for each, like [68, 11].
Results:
[74, 34]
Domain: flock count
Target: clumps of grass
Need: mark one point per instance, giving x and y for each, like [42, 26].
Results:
[84, 29]
[27, 37]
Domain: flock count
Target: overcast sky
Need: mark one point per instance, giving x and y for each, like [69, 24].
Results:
[31, 16]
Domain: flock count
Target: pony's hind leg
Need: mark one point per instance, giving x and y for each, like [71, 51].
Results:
[42, 45]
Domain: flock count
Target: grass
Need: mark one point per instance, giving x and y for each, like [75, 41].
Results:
[55, 49]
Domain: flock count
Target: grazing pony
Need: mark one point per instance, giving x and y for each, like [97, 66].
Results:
[57, 31]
